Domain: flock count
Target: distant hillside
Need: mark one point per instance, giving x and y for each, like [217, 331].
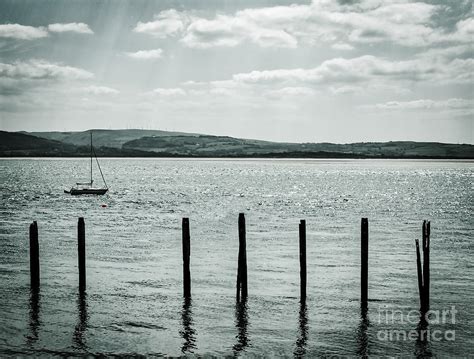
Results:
[150, 143]
[16, 144]
[203, 145]
[398, 149]
[221, 146]
[107, 138]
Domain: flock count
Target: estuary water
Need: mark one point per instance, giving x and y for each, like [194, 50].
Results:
[134, 304]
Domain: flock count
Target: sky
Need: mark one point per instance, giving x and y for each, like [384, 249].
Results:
[297, 71]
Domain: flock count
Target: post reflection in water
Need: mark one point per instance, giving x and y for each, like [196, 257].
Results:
[188, 333]
[80, 330]
[422, 347]
[300, 349]
[362, 337]
[241, 323]
[34, 317]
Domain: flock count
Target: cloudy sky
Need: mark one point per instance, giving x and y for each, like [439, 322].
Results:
[326, 70]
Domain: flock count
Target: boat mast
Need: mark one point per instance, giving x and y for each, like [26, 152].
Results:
[91, 158]
[100, 169]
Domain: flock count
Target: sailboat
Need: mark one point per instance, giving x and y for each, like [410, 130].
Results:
[86, 187]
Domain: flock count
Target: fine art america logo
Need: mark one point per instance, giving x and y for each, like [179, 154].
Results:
[422, 331]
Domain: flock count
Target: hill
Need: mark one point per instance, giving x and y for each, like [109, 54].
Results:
[106, 138]
[154, 143]
[223, 146]
[20, 144]
[16, 144]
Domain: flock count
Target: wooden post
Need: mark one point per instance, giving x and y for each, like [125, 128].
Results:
[34, 256]
[426, 266]
[364, 261]
[186, 255]
[303, 260]
[242, 290]
[424, 274]
[420, 274]
[81, 249]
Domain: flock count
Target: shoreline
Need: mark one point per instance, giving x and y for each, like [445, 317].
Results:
[224, 158]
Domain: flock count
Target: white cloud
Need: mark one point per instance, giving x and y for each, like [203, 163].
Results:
[221, 88]
[273, 38]
[465, 30]
[166, 23]
[78, 27]
[146, 54]
[42, 70]
[168, 92]
[342, 46]
[37, 84]
[21, 32]
[221, 91]
[446, 53]
[292, 91]
[232, 31]
[100, 90]
[363, 76]
[404, 23]
[367, 69]
[222, 31]
[342, 90]
[425, 104]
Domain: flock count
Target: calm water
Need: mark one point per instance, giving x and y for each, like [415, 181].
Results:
[134, 292]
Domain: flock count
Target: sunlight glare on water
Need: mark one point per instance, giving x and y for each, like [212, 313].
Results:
[134, 298]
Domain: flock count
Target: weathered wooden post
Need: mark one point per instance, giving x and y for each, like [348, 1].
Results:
[242, 290]
[186, 255]
[364, 261]
[426, 266]
[34, 256]
[81, 250]
[424, 274]
[419, 273]
[302, 260]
